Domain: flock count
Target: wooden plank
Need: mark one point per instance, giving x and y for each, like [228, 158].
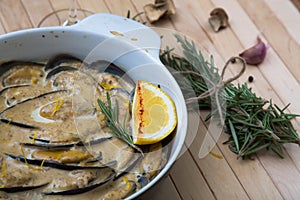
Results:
[161, 191]
[58, 4]
[13, 15]
[288, 15]
[96, 6]
[218, 174]
[2, 30]
[284, 175]
[260, 188]
[37, 10]
[120, 7]
[186, 171]
[251, 173]
[278, 37]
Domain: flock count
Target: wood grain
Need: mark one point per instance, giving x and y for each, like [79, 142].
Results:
[186, 171]
[277, 78]
[163, 190]
[16, 20]
[296, 3]
[2, 31]
[288, 15]
[37, 10]
[121, 7]
[95, 6]
[286, 47]
[217, 172]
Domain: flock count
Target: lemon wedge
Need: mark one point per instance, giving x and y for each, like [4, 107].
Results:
[154, 114]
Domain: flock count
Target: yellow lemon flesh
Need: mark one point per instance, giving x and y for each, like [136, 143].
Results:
[154, 114]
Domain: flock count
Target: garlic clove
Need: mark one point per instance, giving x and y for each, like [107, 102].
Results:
[255, 54]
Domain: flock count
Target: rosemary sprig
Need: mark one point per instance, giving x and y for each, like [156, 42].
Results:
[112, 121]
[253, 123]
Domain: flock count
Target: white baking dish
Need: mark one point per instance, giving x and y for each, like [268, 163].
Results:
[127, 43]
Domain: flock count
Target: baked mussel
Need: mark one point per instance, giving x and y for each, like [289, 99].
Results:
[55, 142]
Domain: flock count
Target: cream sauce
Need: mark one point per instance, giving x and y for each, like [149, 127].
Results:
[63, 108]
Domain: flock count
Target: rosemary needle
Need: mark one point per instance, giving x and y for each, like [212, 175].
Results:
[112, 121]
[252, 123]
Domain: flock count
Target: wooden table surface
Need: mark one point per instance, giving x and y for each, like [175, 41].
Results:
[277, 23]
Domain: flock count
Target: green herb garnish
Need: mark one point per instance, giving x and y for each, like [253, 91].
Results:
[252, 122]
[112, 121]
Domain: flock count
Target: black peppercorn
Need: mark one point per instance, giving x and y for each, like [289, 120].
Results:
[250, 79]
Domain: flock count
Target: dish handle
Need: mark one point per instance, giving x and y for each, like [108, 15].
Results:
[125, 29]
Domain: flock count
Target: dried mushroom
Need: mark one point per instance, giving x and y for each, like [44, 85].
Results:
[218, 19]
[169, 4]
[159, 9]
[153, 12]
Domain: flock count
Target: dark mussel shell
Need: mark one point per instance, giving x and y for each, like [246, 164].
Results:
[122, 191]
[13, 68]
[24, 121]
[57, 165]
[111, 68]
[19, 124]
[42, 96]
[62, 60]
[90, 187]
[43, 143]
[21, 188]
[115, 70]
[50, 146]
[134, 161]
[58, 70]
[15, 94]
[105, 66]
[13, 87]
[142, 180]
